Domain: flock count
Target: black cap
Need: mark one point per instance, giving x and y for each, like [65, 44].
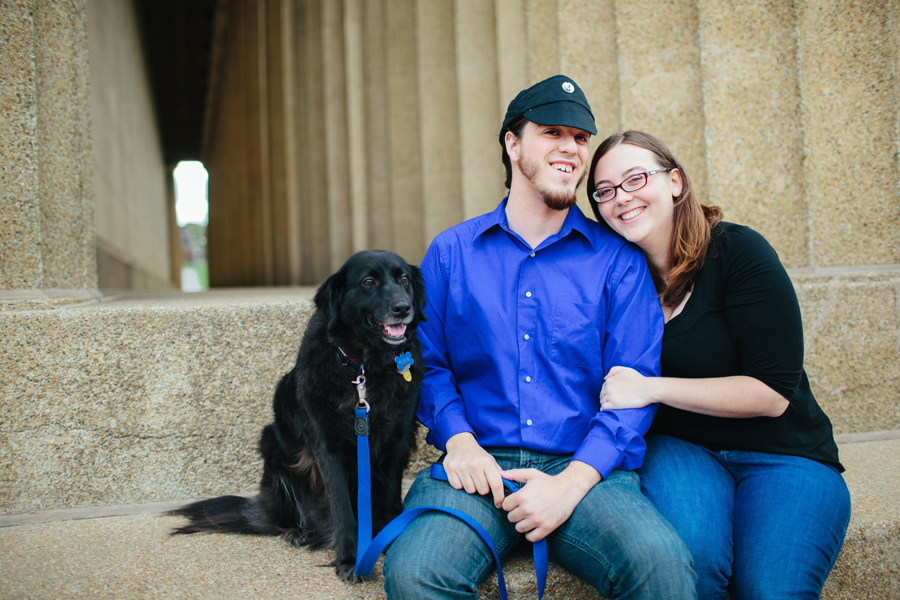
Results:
[554, 101]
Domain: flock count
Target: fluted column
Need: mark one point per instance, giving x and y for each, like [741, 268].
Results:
[47, 234]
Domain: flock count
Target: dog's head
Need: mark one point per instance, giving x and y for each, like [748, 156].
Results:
[376, 295]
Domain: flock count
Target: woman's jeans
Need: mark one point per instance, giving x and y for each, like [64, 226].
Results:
[771, 525]
[615, 540]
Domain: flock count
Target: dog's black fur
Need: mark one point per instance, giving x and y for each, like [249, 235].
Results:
[366, 315]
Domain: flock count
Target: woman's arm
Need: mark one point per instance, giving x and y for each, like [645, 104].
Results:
[762, 315]
[739, 396]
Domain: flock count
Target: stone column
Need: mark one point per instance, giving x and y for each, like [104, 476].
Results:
[47, 239]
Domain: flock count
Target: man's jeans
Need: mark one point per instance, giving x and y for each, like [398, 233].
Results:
[771, 524]
[615, 540]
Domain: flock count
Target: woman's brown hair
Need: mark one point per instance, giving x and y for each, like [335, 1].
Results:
[692, 222]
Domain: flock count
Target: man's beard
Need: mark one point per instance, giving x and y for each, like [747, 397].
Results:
[557, 199]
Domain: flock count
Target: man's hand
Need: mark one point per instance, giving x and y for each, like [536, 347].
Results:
[546, 501]
[470, 467]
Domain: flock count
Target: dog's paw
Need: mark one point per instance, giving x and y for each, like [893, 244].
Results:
[346, 573]
[296, 537]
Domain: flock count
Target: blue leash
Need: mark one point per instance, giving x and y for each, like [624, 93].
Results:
[368, 550]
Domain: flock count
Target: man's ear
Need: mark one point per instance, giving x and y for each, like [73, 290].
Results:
[512, 146]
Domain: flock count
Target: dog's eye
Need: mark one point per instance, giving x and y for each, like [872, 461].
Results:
[404, 279]
[368, 282]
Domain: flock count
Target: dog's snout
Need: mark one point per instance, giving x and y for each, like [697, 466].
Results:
[400, 308]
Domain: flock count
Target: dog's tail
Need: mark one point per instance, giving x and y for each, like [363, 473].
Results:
[226, 514]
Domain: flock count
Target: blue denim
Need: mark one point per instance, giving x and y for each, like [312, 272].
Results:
[769, 525]
[615, 540]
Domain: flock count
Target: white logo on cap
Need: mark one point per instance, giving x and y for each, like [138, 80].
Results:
[568, 87]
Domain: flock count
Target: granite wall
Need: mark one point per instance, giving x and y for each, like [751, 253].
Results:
[85, 201]
[337, 126]
[373, 123]
[47, 240]
[134, 208]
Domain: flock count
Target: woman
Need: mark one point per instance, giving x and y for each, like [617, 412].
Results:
[740, 458]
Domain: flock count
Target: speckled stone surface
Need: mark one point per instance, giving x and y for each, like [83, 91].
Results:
[132, 557]
[135, 400]
[851, 324]
[848, 84]
[126, 399]
[120, 399]
[47, 207]
[754, 168]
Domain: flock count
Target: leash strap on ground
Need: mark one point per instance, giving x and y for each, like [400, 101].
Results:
[365, 559]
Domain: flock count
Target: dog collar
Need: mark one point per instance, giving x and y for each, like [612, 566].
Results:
[346, 360]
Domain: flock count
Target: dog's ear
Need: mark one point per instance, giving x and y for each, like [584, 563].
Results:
[329, 297]
[418, 293]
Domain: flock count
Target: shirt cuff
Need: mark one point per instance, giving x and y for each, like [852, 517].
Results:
[446, 425]
[606, 457]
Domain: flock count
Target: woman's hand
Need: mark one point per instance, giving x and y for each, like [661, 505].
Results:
[738, 396]
[626, 388]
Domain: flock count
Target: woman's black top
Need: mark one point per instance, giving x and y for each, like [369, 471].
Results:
[743, 318]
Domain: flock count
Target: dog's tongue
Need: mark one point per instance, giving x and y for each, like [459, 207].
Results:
[397, 330]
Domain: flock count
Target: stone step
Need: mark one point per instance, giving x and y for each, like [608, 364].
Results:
[128, 554]
[119, 400]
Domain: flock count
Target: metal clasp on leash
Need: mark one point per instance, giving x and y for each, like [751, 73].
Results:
[360, 383]
[361, 422]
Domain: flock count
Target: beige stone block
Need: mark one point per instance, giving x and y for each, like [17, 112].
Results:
[130, 176]
[47, 235]
[281, 130]
[660, 77]
[336, 151]
[19, 205]
[439, 131]
[482, 174]
[356, 115]
[849, 105]
[751, 96]
[407, 238]
[512, 54]
[65, 163]
[314, 183]
[123, 401]
[851, 326]
[378, 163]
[542, 24]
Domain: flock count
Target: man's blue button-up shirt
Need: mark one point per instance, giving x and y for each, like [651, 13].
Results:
[518, 339]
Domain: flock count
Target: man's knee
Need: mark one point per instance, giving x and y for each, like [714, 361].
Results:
[412, 574]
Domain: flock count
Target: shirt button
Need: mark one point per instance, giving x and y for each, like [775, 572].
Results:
[528, 294]
[528, 422]
[532, 255]
[527, 337]
[528, 379]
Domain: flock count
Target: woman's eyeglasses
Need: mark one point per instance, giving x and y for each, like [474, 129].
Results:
[632, 184]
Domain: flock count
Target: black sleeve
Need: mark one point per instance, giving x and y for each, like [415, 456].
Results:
[762, 312]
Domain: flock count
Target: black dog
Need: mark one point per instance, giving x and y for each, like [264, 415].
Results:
[364, 324]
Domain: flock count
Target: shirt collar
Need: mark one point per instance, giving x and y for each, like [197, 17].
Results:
[575, 222]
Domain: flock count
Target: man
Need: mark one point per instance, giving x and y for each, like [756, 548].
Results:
[528, 307]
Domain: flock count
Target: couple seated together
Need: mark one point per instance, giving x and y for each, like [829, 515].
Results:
[641, 373]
